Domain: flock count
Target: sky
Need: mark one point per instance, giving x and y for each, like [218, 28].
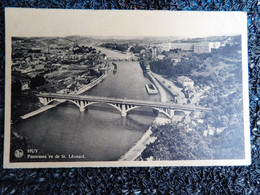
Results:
[57, 22]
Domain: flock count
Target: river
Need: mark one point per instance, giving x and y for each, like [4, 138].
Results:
[100, 133]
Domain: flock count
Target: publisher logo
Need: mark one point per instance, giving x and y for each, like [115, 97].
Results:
[18, 153]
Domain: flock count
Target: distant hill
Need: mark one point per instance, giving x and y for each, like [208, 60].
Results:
[209, 39]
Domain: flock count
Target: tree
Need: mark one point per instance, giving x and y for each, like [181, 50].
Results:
[175, 143]
[37, 81]
[16, 86]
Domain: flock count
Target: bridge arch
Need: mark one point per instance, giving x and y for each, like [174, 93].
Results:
[140, 48]
[74, 102]
[82, 105]
[46, 100]
[115, 106]
[166, 112]
[50, 100]
[133, 108]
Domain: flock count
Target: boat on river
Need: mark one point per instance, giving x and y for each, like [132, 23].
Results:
[151, 89]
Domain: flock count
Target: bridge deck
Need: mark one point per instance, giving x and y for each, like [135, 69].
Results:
[122, 101]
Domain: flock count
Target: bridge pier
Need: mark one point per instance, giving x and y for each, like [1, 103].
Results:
[43, 100]
[171, 113]
[123, 110]
[82, 106]
[81, 109]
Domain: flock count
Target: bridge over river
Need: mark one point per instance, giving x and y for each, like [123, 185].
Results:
[123, 105]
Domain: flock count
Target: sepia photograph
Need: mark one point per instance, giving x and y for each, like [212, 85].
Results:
[87, 88]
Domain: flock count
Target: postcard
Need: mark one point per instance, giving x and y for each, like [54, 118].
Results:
[117, 88]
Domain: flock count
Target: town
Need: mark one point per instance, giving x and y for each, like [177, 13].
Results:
[54, 67]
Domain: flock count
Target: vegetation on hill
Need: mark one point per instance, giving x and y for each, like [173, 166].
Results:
[188, 63]
[219, 76]
[23, 103]
[123, 47]
[175, 143]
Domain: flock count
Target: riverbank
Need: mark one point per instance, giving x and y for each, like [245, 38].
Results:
[172, 89]
[140, 145]
[136, 150]
[40, 110]
[162, 92]
[80, 91]
[92, 84]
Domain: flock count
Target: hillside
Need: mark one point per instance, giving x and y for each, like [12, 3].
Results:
[218, 134]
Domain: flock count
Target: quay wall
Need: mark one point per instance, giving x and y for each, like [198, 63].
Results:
[92, 84]
[165, 87]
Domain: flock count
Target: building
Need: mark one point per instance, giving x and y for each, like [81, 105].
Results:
[39, 67]
[165, 46]
[205, 47]
[25, 84]
[154, 53]
[196, 47]
[160, 56]
[202, 48]
[185, 81]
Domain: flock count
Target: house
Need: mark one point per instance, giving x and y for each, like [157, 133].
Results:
[25, 84]
[185, 81]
